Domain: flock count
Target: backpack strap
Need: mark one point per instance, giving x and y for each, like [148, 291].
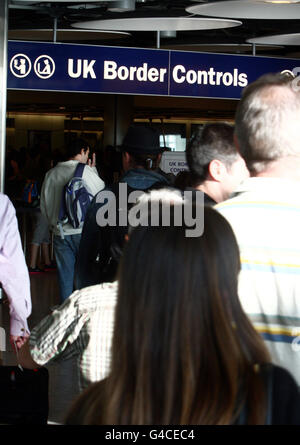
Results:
[79, 170]
[62, 210]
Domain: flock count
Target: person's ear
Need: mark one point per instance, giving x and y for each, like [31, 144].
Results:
[126, 158]
[216, 170]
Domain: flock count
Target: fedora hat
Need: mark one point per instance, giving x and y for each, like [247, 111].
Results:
[141, 140]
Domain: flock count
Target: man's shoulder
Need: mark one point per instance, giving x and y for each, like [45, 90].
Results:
[68, 165]
[263, 192]
[4, 198]
[96, 297]
[60, 169]
[83, 302]
[247, 193]
[7, 209]
[231, 202]
[98, 289]
[5, 202]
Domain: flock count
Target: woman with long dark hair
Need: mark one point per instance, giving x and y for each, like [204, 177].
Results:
[184, 352]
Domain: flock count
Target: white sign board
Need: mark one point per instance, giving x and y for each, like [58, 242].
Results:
[173, 162]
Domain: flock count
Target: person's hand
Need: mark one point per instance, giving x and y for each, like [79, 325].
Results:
[17, 341]
[92, 162]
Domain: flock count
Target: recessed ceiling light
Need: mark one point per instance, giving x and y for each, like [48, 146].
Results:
[280, 1]
[278, 39]
[158, 24]
[248, 9]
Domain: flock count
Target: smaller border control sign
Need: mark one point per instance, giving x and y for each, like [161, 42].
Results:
[173, 162]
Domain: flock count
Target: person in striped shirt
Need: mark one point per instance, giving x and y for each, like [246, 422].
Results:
[264, 212]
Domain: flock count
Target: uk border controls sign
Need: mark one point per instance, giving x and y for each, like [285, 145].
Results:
[119, 70]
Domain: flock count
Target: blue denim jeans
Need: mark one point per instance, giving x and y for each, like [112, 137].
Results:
[66, 251]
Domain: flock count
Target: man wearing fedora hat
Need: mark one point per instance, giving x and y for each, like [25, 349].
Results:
[101, 247]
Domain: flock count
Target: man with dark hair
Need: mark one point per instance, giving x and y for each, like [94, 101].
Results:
[215, 165]
[265, 214]
[75, 148]
[66, 249]
[101, 247]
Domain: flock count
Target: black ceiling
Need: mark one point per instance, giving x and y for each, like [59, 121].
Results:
[42, 16]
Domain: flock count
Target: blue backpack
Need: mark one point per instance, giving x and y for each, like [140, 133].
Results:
[75, 200]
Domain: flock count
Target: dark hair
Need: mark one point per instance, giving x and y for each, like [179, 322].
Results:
[183, 180]
[184, 352]
[214, 141]
[74, 148]
[146, 161]
[141, 139]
